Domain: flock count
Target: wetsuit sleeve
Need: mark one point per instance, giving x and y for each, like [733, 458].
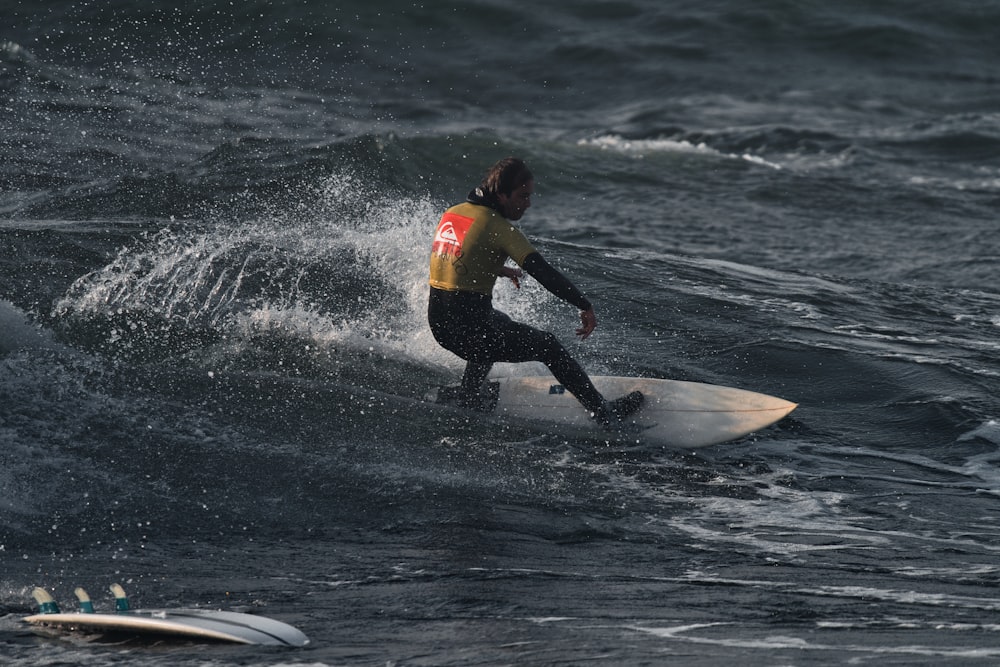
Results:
[553, 281]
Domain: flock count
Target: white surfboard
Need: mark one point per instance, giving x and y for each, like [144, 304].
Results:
[189, 624]
[675, 413]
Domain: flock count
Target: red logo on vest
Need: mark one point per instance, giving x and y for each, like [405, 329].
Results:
[451, 233]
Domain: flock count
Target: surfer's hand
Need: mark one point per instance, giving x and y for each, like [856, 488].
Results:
[589, 321]
[515, 275]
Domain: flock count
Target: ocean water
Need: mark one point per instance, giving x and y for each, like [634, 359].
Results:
[214, 227]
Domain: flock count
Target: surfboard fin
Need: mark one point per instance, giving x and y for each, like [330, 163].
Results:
[46, 605]
[121, 600]
[86, 606]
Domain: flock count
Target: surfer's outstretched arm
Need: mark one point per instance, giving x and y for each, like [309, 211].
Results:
[555, 282]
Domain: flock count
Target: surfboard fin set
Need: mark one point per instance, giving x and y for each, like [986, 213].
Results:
[47, 605]
[183, 624]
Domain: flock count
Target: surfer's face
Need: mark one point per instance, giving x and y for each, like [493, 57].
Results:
[517, 202]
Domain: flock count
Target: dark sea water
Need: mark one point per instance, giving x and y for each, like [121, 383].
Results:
[215, 221]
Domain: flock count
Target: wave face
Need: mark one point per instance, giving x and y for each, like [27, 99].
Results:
[215, 225]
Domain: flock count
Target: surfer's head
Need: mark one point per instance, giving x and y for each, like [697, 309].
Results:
[509, 183]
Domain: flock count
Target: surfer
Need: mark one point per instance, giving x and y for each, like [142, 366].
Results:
[472, 244]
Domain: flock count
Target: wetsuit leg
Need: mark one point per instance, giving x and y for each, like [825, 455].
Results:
[474, 376]
[460, 324]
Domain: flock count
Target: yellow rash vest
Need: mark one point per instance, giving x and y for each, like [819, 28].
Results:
[470, 247]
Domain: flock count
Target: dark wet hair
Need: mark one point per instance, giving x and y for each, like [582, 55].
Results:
[505, 176]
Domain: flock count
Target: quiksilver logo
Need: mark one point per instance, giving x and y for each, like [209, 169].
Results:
[446, 234]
